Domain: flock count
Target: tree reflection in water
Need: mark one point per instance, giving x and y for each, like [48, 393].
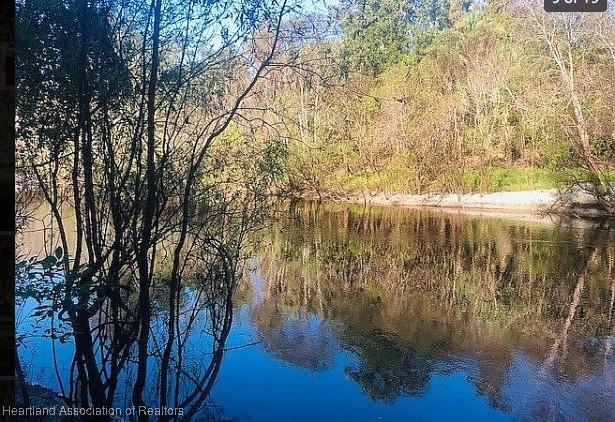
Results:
[392, 298]
[201, 324]
[305, 342]
[410, 294]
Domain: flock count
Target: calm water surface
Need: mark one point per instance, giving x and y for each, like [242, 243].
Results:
[369, 314]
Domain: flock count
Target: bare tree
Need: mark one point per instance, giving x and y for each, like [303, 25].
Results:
[566, 36]
[139, 95]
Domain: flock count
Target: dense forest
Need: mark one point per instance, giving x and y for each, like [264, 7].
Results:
[397, 96]
[434, 95]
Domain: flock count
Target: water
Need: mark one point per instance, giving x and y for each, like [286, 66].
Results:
[353, 313]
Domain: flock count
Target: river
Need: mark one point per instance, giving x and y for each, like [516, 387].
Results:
[346, 312]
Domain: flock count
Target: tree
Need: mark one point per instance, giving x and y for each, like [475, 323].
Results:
[568, 39]
[123, 102]
[378, 33]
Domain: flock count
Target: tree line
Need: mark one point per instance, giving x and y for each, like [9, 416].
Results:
[450, 96]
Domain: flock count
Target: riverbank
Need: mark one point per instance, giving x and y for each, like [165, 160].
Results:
[536, 202]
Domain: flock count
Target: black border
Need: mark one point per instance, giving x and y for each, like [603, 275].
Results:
[7, 204]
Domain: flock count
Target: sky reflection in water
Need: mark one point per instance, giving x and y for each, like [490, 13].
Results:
[348, 313]
[336, 347]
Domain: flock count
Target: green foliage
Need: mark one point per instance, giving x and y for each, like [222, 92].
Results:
[376, 34]
[466, 100]
[510, 179]
[380, 32]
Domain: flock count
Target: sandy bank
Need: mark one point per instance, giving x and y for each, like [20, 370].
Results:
[538, 202]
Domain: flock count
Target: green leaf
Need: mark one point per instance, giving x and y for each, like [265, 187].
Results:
[59, 252]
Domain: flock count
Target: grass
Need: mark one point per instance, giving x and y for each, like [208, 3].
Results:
[491, 179]
[511, 179]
